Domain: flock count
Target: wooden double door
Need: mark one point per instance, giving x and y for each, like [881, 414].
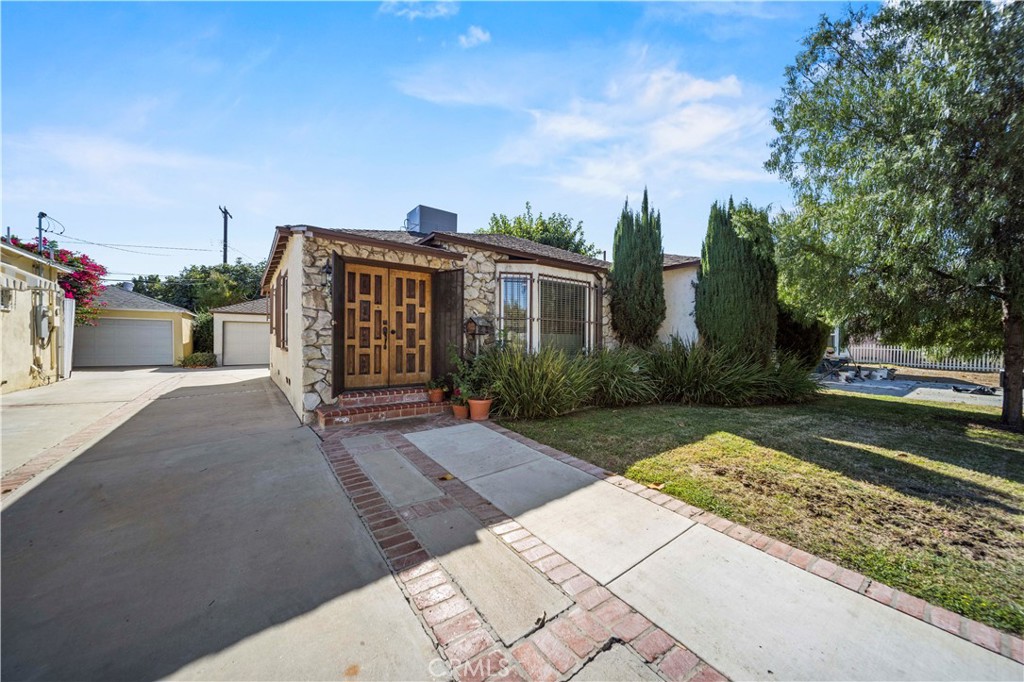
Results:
[385, 327]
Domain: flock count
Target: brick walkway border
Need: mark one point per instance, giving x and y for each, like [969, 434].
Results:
[983, 635]
[16, 478]
[561, 645]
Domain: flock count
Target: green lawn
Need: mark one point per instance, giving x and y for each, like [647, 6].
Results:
[925, 497]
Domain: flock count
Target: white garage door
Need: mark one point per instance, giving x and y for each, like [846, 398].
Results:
[246, 343]
[115, 342]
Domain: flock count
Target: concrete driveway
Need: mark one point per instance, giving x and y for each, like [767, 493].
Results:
[204, 537]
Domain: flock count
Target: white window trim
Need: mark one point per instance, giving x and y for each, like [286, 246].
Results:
[537, 273]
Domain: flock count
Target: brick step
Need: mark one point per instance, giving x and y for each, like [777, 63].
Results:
[382, 396]
[343, 416]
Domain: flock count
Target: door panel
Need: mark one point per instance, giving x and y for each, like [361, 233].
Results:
[410, 327]
[365, 322]
[385, 327]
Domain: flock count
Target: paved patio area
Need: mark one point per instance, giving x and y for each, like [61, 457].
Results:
[522, 559]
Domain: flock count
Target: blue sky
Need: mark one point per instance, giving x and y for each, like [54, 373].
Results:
[131, 123]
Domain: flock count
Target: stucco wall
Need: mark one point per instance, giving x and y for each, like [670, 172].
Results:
[286, 364]
[679, 304]
[27, 363]
[181, 322]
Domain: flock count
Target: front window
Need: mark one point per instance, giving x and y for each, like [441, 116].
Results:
[563, 315]
[515, 309]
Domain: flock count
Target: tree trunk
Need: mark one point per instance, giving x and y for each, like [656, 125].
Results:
[1013, 363]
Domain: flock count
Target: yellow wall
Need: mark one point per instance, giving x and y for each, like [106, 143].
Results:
[26, 362]
[182, 326]
[286, 363]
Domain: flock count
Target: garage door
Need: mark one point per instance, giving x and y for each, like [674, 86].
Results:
[115, 342]
[246, 343]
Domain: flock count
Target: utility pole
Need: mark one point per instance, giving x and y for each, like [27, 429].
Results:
[226, 216]
[41, 216]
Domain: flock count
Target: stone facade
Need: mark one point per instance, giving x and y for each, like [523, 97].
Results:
[480, 299]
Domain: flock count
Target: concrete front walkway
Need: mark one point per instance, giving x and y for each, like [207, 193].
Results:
[204, 537]
[741, 610]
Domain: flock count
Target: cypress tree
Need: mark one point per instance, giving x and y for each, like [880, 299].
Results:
[736, 298]
[638, 291]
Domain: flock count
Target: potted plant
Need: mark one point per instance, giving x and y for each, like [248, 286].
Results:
[480, 405]
[460, 401]
[435, 390]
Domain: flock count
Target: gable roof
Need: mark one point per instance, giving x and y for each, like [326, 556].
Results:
[673, 261]
[119, 298]
[254, 307]
[517, 246]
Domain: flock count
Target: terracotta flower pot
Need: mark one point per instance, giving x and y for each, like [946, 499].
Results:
[460, 411]
[479, 409]
[435, 395]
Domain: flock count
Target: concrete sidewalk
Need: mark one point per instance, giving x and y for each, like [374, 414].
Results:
[745, 612]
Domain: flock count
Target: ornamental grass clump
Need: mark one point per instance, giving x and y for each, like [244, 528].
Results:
[537, 385]
[622, 377]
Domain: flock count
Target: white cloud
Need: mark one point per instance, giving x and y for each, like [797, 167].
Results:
[414, 9]
[473, 37]
[101, 170]
[630, 120]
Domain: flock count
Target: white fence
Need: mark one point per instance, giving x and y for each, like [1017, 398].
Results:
[876, 353]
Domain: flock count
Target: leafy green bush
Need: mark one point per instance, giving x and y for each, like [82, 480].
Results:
[202, 333]
[537, 385]
[621, 378]
[805, 338]
[200, 360]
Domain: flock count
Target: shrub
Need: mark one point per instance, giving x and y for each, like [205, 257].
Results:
[736, 284]
[792, 381]
[804, 338]
[621, 378]
[697, 373]
[200, 360]
[202, 333]
[537, 385]
[638, 289]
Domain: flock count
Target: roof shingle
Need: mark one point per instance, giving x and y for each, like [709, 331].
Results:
[255, 307]
[119, 298]
[675, 261]
[502, 241]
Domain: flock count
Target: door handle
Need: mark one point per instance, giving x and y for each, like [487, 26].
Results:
[385, 328]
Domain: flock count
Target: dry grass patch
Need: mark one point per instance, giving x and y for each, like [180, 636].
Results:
[926, 497]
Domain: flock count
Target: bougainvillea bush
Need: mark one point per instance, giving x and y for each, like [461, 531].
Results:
[83, 284]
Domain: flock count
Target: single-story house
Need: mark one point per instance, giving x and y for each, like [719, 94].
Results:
[134, 330]
[679, 274]
[241, 333]
[35, 319]
[352, 310]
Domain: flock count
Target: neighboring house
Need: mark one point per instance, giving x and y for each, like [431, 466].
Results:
[35, 317]
[134, 330]
[241, 332]
[680, 276]
[361, 309]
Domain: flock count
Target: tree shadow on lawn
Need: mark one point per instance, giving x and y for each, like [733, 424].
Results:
[925, 431]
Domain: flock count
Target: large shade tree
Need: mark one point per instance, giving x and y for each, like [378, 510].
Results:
[902, 135]
[555, 229]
